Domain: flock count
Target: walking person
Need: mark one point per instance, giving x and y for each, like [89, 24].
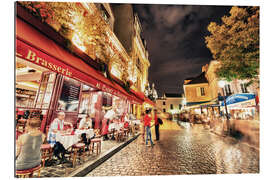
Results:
[156, 125]
[147, 124]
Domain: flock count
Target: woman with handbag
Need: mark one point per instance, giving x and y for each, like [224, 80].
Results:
[147, 124]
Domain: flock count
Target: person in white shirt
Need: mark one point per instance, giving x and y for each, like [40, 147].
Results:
[109, 116]
[57, 126]
[85, 123]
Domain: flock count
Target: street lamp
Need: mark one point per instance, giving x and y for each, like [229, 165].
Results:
[221, 84]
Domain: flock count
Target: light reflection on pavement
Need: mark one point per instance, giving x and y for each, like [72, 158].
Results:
[191, 150]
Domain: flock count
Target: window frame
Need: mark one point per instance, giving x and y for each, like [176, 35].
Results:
[202, 90]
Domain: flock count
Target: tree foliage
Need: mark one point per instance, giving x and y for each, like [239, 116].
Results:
[235, 44]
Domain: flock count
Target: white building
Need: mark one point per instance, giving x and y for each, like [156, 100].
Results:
[170, 103]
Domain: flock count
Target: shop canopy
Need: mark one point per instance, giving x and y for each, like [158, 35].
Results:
[196, 104]
[142, 97]
[237, 98]
[33, 46]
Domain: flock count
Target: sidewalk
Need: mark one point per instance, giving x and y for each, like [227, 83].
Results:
[108, 149]
[244, 131]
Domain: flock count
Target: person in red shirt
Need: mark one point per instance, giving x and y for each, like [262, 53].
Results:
[156, 125]
[147, 124]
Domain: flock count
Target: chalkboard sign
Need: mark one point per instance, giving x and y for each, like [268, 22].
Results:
[69, 99]
[106, 100]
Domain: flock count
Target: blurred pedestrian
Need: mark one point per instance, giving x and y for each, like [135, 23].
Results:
[192, 120]
[156, 125]
[147, 124]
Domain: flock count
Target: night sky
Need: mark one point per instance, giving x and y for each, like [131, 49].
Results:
[175, 41]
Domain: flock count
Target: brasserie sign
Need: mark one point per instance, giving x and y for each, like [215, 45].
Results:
[42, 60]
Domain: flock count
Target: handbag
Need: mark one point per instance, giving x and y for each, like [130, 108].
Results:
[160, 121]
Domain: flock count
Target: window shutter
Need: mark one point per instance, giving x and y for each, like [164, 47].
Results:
[198, 89]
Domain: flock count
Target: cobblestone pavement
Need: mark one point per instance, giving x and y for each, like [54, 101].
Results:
[66, 169]
[182, 151]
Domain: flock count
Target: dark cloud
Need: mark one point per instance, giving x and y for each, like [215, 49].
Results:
[175, 41]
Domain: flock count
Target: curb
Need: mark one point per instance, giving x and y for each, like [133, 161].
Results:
[102, 159]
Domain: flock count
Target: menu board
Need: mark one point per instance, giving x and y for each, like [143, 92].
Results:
[69, 98]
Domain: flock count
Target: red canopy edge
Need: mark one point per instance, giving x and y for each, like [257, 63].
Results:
[147, 100]
[31, 45]
[142, 97]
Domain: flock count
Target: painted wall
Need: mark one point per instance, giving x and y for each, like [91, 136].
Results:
[192, 92]
[235, 85]
[168, 101]
[123, 26]
[212, 79]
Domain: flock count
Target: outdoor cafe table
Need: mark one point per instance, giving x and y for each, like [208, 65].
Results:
[89, 132]
[67, 140]
[116, 126]
[137, 122]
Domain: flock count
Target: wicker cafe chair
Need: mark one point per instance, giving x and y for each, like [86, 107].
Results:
[97, 133]
[121, 135]
[95, 145]
[28, 172]
[46, 153]
[126, 132]
[78, 151]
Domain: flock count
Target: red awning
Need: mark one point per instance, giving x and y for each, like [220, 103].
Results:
[33, 46]
[142, 97]
[147, 100]
[139, 95]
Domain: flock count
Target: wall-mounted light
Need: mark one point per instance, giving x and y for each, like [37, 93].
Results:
[115, 71]
[77, 42]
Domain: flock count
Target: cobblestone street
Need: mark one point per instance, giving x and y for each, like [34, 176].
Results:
[182, 151]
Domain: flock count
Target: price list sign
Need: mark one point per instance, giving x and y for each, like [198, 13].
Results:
[70, 94]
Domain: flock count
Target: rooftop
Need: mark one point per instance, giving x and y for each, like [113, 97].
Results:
[168, 95]
[199, 79]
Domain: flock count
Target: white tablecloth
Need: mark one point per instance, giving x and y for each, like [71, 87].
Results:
[116, 126]
[89, 132]
[136, 122]
[67, 140]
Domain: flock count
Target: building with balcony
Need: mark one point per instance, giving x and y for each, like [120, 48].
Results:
[68, 58]
[203, 94]
[196, 90]
[235, 88]
[135, 46]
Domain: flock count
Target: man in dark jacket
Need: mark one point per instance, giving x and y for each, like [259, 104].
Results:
[156, 125]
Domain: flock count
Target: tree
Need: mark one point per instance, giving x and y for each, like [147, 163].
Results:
[235, 44]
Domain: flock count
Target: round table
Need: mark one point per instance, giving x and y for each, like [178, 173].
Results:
[67, 140]
[89, 132]
[116, 126]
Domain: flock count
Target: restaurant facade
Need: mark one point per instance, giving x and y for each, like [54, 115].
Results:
[50, 79]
